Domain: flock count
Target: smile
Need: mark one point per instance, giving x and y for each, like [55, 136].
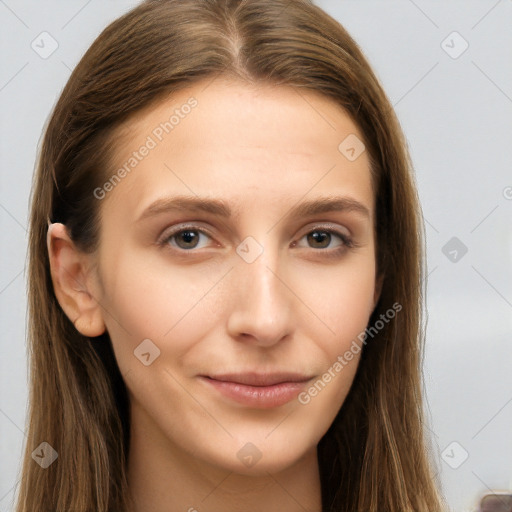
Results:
[261, 391]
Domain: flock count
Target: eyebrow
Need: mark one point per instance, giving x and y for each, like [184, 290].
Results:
[221, 208]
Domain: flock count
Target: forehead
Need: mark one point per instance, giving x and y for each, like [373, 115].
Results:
[234, 140]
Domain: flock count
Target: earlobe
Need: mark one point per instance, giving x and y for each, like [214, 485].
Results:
[69, 269]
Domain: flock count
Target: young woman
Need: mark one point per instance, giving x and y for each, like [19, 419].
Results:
[226, 269]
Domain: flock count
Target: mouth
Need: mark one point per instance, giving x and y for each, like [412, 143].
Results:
[258, 390]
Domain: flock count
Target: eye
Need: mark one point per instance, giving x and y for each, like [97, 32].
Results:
[185, 238]
[322, 237]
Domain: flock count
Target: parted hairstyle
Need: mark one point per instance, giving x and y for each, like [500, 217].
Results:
[375, 457]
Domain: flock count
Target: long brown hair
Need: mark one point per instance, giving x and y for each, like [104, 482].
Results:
[375, 456]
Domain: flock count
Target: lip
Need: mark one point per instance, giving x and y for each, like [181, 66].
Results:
[258, 390]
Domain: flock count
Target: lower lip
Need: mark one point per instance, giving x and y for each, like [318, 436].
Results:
[261, 397]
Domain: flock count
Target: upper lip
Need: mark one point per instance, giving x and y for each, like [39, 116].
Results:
[260, 379]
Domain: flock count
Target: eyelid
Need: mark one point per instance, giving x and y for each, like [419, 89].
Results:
[177, 228]
[318, 226]
[346, 238]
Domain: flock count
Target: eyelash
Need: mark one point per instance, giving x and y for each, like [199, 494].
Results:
[347, 242]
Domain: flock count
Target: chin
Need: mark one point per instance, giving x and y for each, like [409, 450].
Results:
[261, 456]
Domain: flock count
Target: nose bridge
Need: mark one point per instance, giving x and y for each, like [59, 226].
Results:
[262, 306]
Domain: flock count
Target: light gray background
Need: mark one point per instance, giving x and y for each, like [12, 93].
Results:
[457, 115]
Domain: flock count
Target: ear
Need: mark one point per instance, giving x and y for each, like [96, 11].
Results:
[70, 271]
[378, 289]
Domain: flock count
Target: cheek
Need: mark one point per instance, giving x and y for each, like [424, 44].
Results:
[144, 299]
[351, 304]
[342, 301]
[177, 306]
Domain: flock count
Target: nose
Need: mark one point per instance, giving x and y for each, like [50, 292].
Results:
[261, 311]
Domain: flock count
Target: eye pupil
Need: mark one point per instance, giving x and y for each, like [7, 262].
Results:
[187, 236]
[320, 236]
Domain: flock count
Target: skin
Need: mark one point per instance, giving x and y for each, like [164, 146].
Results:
[262, 149]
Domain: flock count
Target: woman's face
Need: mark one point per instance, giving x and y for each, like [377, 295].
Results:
[232, 305]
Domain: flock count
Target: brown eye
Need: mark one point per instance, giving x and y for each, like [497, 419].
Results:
[187, 239]
[319, 239]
